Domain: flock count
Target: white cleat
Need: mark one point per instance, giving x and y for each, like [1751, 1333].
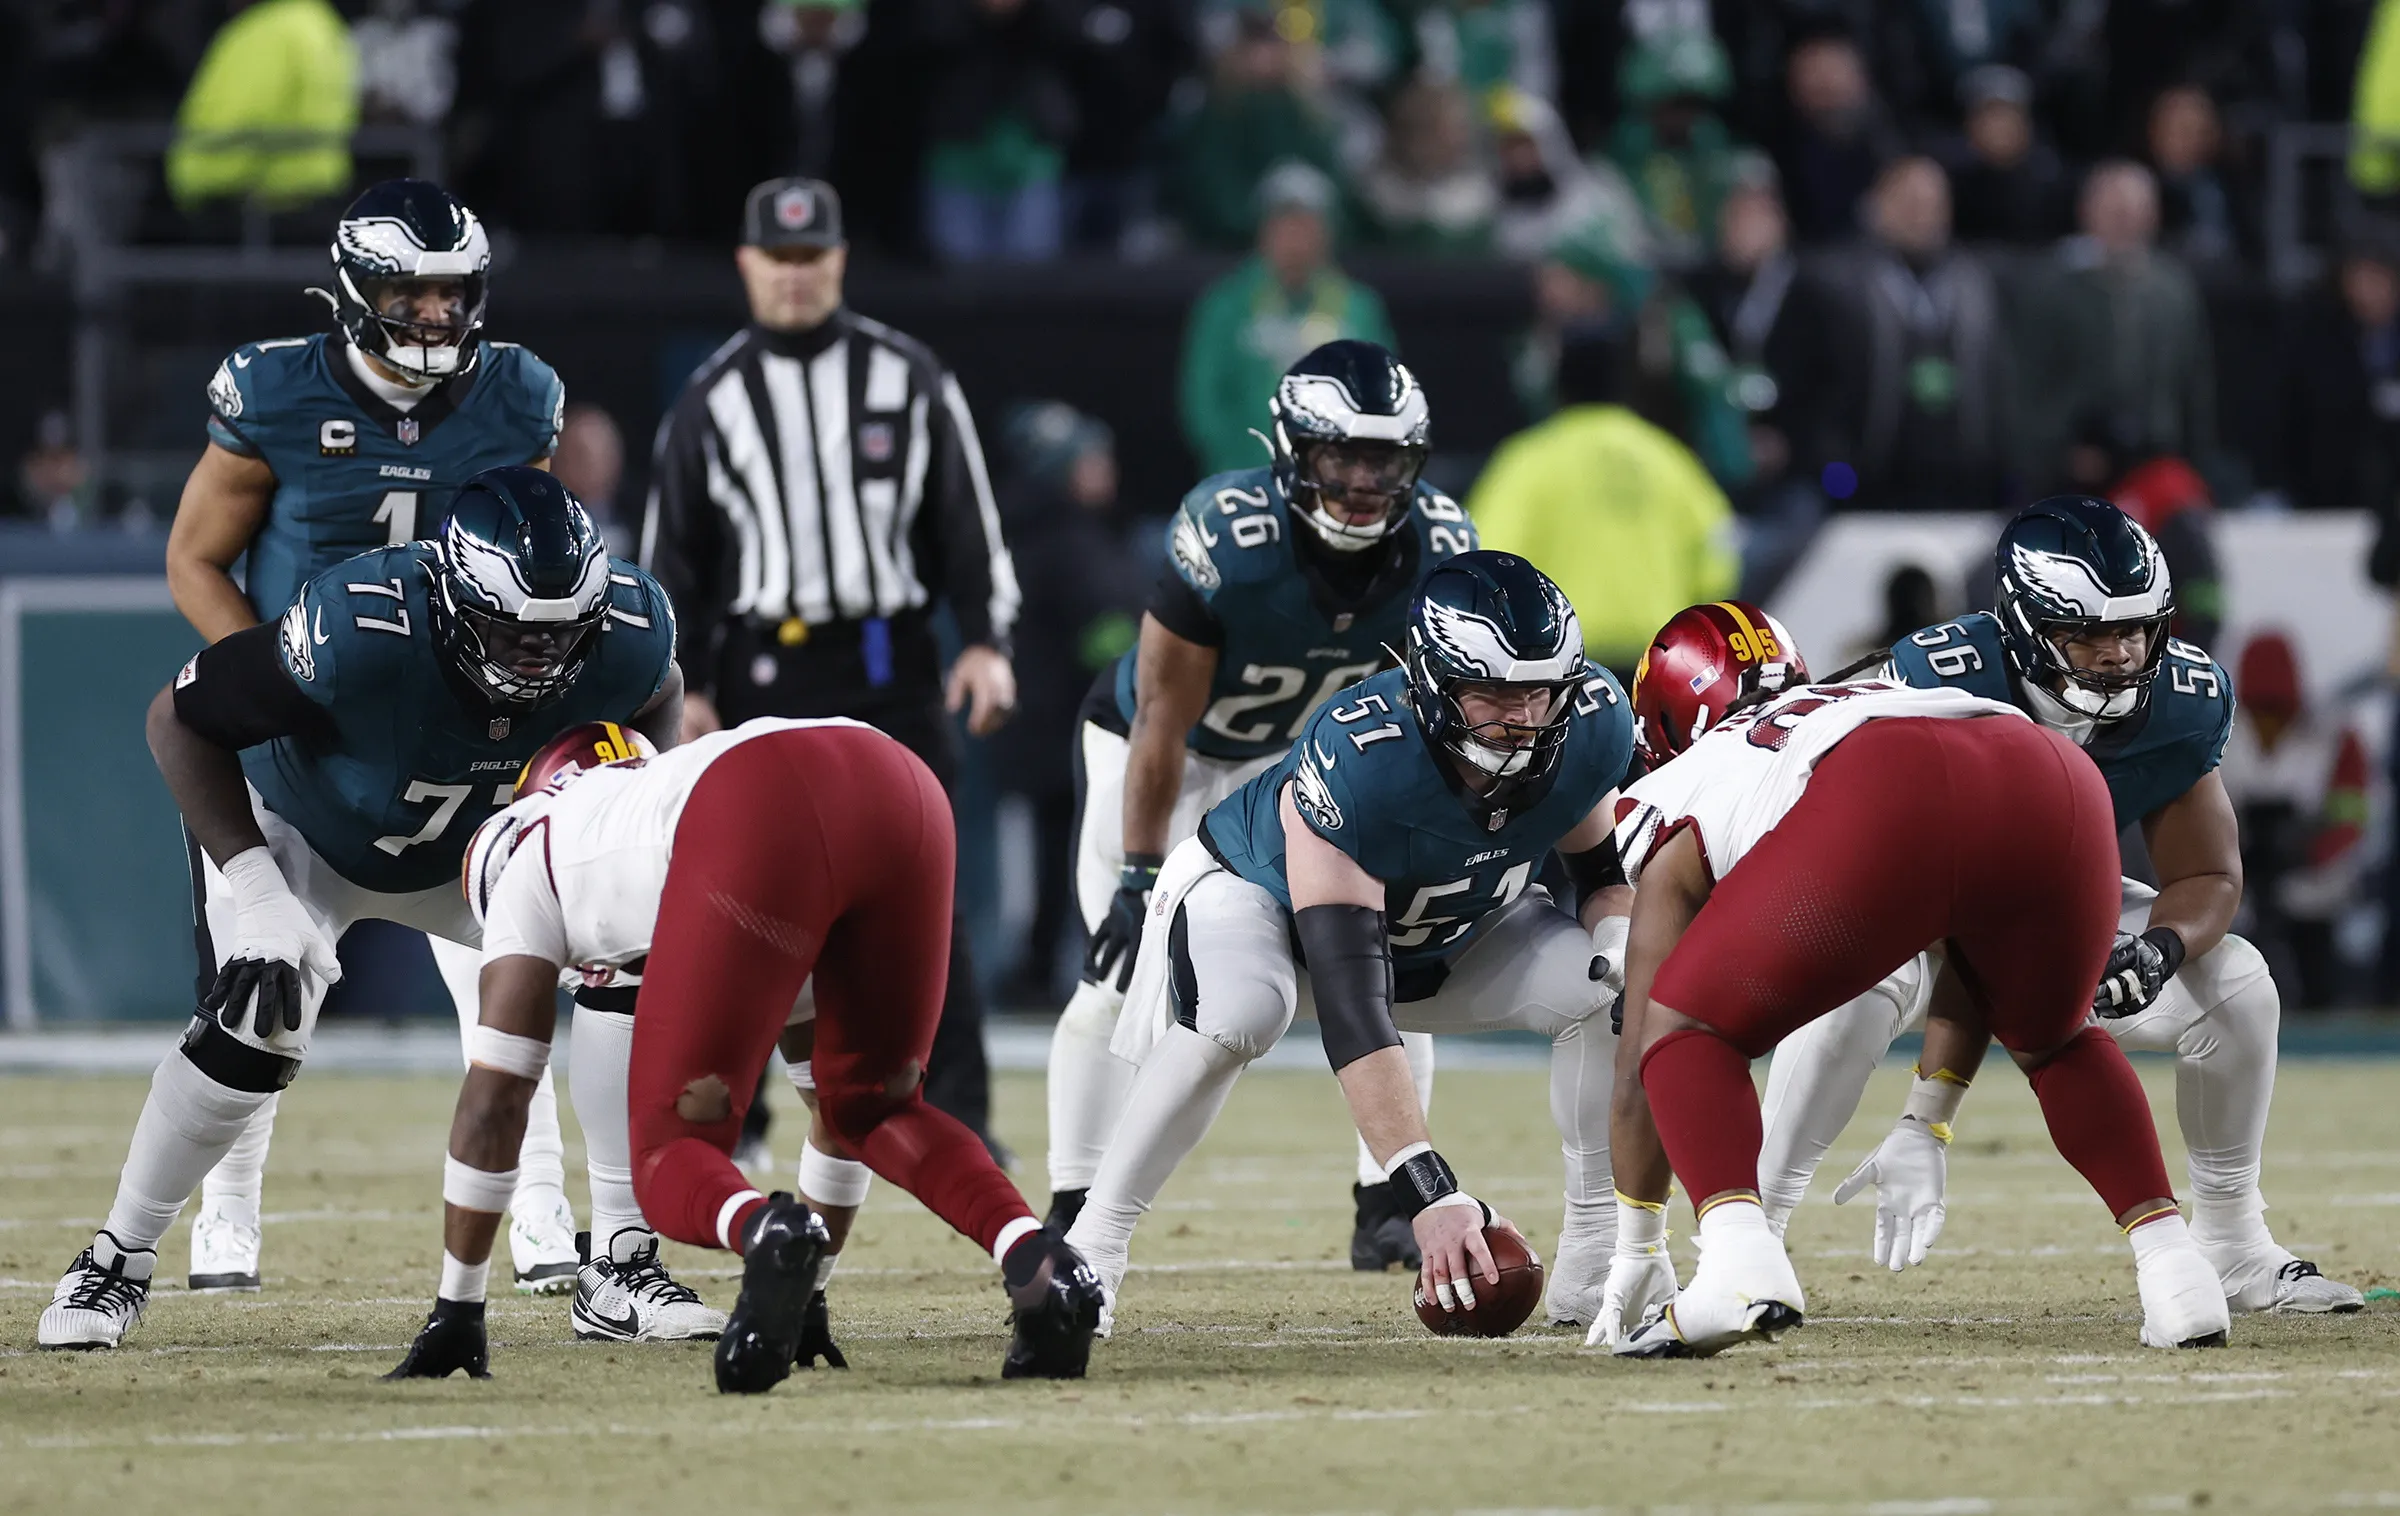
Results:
[2183, 1302]
[1745, 1290]
[225, 1241]
[627, 1295]
[100, 1298]
[1578, 1277]
[2269, 1278]
[541, 1243]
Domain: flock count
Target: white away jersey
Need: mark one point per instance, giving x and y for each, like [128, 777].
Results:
[583, 887]
[1747, 772]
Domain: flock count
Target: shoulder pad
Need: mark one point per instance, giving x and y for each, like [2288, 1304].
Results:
[531, 390]
[1219, 527]
[2196, 688]
[1443, 522]
[236, 388]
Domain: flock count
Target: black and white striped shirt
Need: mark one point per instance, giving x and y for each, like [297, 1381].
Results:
[829, 476]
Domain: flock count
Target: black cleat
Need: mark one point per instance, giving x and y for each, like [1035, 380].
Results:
[1054, 1305]
[764, 1335]
[450, 1341]
[816, 1338]
[1065, 1206]
[1381, 1236]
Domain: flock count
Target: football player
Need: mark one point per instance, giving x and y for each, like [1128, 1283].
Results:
[731, 870]
[331, 767]
[1425, 798]
[1795, 853]
[323, 447]
[1286, 583]
[2080, 644]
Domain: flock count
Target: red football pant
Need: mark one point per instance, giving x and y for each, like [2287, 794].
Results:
[824, 850]
[1992, 834]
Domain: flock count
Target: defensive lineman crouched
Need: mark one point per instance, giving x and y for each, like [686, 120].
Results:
[1425, 796]
[1792, 857]
[388, 708]
[734, 869]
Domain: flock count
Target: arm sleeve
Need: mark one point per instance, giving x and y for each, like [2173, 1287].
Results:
[249, 688]
[525, 918]
[683, 542]
[962, 528]
[1179, 608]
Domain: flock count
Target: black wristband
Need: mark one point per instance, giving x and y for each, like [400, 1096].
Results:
[1421, 1181]
[1141, 867]
[2169, 943]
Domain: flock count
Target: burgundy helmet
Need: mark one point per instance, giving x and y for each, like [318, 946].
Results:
[578, 748]
[1699, 664]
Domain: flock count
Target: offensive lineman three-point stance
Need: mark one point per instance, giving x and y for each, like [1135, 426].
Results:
[1285, 584]
[1425, 796]
[387, 709]
[734, 869]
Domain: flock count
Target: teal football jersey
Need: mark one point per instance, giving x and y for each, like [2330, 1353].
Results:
[351, 472]
[412, 766]
[1366, 780]
[2149, 759]
[1287, 648]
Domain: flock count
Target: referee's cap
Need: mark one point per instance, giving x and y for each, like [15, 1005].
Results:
[792, 213]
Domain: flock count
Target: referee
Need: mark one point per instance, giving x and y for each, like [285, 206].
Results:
[817, 488]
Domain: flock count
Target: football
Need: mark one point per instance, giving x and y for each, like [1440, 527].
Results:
[1499, 1309]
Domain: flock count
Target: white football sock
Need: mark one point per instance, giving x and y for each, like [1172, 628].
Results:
[1176, 1095]
[599, 1056]
[1818, 1076]
[2224, 1084]
[1419, 1048]
[1583, 1072]
[240, 1176]
[1088, 1086]
[187, 1124]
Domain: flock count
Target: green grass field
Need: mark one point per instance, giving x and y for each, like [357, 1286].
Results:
[1251, 1371]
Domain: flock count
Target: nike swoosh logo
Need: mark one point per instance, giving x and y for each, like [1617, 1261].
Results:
[241, 360]
[630, 1323]
[318, 631]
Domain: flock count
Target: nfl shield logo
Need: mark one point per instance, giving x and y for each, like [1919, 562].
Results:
[408, 430]
[875, 441]
[1342, 622]
[1499, 820]
[499, 728]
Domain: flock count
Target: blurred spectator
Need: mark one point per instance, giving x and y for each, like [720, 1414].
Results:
[1000, 115]
[1911, 603]
[1484, 45]
[1921, 402]
[2375, 118]
[1257, 321]
[810, 37]
[1837, 137]
[1616, 510]
[1342, 46]
[1546, 188]
[1431, 191]
[53, 482]
[1123, 67]
[1678, 377]
[2299, 787]
[1669, 142]
[2337, 399]
[2114, 336]
[407, 63]
[1255, 117]
[1083, 600]
[2172, 502]
[269, 114]
[2204, 216]
[591, 461]
[2006, 184]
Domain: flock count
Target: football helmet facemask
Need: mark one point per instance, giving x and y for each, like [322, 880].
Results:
[522, 581]
[2072, 566]
[1351, 429]
[1493, 628]
[400, 242]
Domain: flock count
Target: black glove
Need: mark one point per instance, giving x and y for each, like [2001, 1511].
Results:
[1616, 1017]
[1120, 935]
[2137, 970]
[816, 1337]
[276, 985]
[451, 1339]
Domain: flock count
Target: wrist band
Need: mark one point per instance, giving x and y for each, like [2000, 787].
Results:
[2169, 943]
[1933, 1102]
[1419, 1177]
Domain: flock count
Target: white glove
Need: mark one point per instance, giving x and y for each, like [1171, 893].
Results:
[1608, 954]
[1641, 1277]
[1909, 1170]
[275, 942]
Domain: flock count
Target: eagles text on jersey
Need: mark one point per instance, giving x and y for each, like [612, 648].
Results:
[413, 767]
[2149, 759]
[353, 473]
[1365, 779]
[1287, 645]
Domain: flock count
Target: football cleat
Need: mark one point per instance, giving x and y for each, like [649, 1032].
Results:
[2183, 1301]
[763, 1337]
[450, 1342]
[1065, 1206]
[1744, 1291]
[1578, 1277]
[2269, 1278]
[1053, 1314]
[100, 1298]
[816, 1337]
[627, 1295]
[1381, 1236]
[541, 1243]
[1109, 1264]
[225, 1239]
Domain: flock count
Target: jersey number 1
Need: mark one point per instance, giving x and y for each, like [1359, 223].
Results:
[398, 513]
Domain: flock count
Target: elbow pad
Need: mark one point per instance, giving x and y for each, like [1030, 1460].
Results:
[1349, 960]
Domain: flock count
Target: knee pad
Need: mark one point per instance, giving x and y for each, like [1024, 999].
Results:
[1248, 1043]
[1091, 1012]
[233, 1063]
[2237, 997]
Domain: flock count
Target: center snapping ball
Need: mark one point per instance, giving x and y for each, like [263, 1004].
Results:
[1499, 1309]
